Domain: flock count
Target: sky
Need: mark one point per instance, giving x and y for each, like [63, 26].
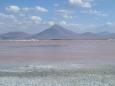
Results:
[34, 16]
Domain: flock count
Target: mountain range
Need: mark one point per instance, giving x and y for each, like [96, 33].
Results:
[57, 32]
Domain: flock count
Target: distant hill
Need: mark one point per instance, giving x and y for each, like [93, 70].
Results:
[14, 35]
[55, 32]
[94, 36]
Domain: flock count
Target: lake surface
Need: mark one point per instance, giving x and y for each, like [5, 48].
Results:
[57, 52]
[57, 63]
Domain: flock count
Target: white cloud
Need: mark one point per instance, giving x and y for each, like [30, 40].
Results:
[26, 9]
[13, 8]
[63, 23]
[16, 9]
[4, 17]
[31, 24]
[65, 14]
[81, 3]
[41, 9]
[95, 12]
[51, 23]
[110, 23]
[36, 18]
[35, 24]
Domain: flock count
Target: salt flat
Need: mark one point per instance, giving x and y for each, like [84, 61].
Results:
[60, 75]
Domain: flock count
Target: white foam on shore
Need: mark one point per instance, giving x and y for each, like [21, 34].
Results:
[32, 40]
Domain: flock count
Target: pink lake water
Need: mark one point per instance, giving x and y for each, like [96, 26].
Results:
[57, 51]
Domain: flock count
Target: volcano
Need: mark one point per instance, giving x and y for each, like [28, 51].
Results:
[55, 32]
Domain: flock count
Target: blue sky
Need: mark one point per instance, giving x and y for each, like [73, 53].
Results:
[33, 16]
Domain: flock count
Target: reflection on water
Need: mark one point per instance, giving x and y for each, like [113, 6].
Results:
[58, 51]
[31, 46]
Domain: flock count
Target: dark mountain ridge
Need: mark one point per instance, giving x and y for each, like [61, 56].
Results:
[57, 32]
[14, 35]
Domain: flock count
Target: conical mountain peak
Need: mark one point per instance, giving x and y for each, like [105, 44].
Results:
[56, 32]
[56, 26]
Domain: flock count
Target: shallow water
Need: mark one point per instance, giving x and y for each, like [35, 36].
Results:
[57, 51]
[57, 63]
